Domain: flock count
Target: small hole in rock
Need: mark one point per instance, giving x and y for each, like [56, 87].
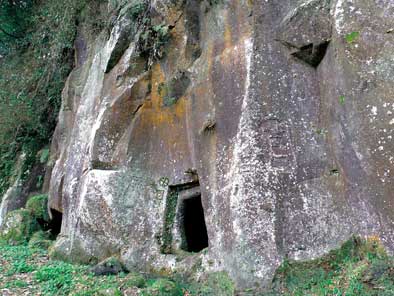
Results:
[195, 230]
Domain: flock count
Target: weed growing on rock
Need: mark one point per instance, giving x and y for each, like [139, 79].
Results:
[352, 37]
[360, 267]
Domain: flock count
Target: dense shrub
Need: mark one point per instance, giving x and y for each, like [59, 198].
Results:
[36, 56]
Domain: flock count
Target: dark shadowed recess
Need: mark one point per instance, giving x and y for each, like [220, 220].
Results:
[312, 54]
[55, 224]
[195, 230]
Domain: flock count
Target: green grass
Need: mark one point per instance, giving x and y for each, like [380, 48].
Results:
[360, 267]
[24, 268]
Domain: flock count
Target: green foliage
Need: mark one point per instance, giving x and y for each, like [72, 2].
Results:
[342, 100]
[33, 70]
[352, 37]
[20, 266]
[162, 287]
[40, 240]
[360, 267]
[38, 207]
[19, 257]
[56, 278]
[152, 41]
[217, 283]
[44, 156]
[14, 20]
[134, 280]
[138, 9]
[15, 284]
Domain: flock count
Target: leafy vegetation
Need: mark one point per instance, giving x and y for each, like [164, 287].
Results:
[14, 20]
[28, 223]
[352, 37]
[27, 269]
[37, 205]
[36, 56]
[360, 267]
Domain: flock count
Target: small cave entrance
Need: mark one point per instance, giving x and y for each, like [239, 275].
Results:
[184, 227]
[193, 224]
[55, 224]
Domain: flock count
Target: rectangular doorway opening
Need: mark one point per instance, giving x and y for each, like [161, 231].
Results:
[193, 223]
[184, 225]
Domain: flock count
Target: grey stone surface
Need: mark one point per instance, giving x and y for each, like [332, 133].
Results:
[291, 158]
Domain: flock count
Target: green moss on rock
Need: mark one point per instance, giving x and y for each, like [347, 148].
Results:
[217, 283]
[134, 280]
[18, 227]
[163, 287]
[40, 240]
[38, 206]
[359, 267]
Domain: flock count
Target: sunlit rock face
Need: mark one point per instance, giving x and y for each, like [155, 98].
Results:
[274, 119]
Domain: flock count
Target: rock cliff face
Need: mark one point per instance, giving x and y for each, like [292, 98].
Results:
[259, 129]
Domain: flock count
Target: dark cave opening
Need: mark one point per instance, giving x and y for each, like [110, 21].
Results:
[55, 224]
[195, 230]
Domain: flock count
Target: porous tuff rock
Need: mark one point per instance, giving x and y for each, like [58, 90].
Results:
[292, 157]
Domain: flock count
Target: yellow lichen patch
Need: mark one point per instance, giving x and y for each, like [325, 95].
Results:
[227, 36]
[373, 244]
[165, 124]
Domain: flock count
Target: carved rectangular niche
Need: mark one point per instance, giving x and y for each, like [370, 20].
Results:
[184, 220]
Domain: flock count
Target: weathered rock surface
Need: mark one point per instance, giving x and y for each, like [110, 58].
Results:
[17, 195]
[280, 114]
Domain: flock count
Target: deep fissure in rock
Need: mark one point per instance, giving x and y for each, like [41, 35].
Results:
[193, 224]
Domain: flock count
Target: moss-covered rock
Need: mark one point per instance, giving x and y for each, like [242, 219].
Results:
[38, 206]
[41, 240]
[134, 279]
[217, 283]
[109, 292]
[18, 227]
[163, 287]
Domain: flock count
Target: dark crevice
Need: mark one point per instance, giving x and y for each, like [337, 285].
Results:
[137, 109]
[312, 54]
